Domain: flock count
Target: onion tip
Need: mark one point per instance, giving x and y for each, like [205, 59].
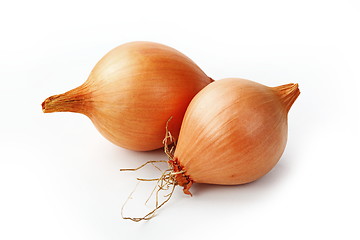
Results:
[288, 93]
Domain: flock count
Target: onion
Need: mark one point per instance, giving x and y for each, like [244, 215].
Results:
[234, 132]
[131, 93]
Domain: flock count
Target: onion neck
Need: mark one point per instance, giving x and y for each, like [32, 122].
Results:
[76, 100]
[287, 93]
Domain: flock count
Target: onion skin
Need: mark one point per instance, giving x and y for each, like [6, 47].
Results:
[234, 132]
[131, 93]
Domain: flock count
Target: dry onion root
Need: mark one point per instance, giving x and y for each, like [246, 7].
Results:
[167, 181]
[234, 132]
[131, 93]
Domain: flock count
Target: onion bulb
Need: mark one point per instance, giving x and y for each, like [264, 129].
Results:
[131, 93]
[234, 132]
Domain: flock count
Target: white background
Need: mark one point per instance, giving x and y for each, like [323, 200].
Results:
[60, 179]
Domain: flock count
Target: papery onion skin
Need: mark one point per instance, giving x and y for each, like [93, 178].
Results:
[131, 93]
[234, 132]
